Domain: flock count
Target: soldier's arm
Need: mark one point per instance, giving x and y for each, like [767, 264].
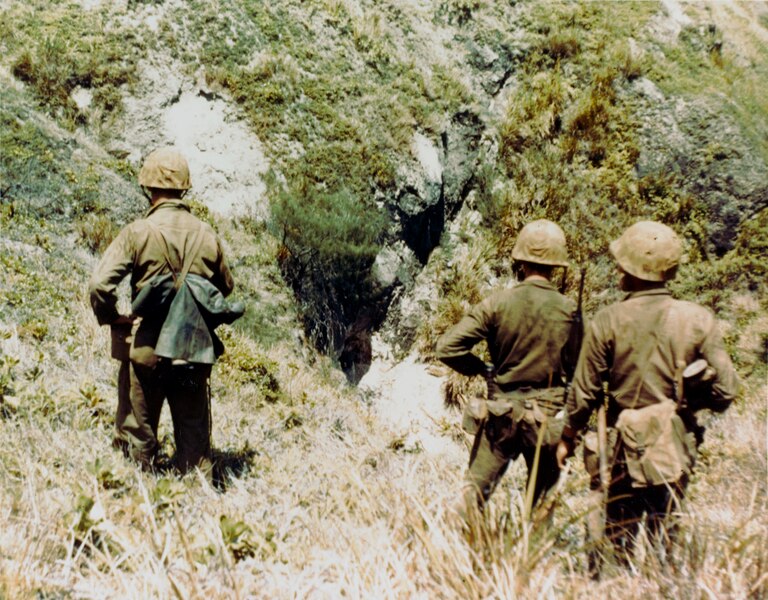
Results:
[725, 388]
[112, 268]
[587, 390]
[454, 348]
[222, 276]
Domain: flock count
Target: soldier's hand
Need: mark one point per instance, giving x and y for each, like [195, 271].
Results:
[564, 450]
[124, 320]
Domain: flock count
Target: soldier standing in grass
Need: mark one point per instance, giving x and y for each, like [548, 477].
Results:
[178, 279]
[640, 348]
[526, 328]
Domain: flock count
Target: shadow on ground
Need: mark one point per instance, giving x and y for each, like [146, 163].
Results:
[231, 464]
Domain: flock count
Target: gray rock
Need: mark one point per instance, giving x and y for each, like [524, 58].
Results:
[701, 143]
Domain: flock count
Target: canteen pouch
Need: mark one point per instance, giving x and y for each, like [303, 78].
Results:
[475, 412]
[656, 446]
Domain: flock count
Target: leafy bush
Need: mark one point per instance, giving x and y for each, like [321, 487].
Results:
[567, 149]
[244, 364]
[329, 242]
[96, 232]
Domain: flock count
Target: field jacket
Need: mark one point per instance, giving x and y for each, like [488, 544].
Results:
[634, 346]
[525, 326]
[137, 251]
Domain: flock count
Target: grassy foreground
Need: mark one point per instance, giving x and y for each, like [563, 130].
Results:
[314, 498]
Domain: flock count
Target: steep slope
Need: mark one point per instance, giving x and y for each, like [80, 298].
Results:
[437, 129]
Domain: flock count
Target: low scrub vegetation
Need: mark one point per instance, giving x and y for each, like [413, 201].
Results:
[313, 496]
[57, 49]
[568, 148]
[337, 138]
[328, 244]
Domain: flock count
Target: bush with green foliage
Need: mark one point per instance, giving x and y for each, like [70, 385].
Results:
[329, 242]
[568, 147]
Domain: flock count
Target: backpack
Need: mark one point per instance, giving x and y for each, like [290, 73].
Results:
[656, 445]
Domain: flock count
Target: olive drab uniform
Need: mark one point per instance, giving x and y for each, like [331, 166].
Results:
[636, 346]
[525, 327]
[639, 349]
[145, 379]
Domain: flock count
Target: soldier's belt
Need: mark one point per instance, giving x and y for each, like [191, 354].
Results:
[544, 401]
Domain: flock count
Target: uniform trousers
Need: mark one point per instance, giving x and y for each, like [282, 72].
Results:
[618, 521]
[141, 393]
[503, 441]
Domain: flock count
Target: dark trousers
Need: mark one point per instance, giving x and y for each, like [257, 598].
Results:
[651, 506]
[616, 523]
[141, 393]
[502, 441]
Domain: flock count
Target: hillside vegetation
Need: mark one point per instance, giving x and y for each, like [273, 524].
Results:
[593, 114]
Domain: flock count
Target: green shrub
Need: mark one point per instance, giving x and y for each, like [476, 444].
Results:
[460, 11]
[243, 364]
[96, 232]
[567, 152]
[329, 242]
[742, 270]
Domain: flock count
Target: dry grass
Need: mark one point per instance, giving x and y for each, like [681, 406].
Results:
[313, 499]
[315, 504]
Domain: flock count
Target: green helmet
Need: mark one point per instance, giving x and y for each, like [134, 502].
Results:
[648, 250]
[166, 169]
[541, 242]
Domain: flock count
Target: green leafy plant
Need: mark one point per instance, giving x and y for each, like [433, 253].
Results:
[237, 538]
[329, 242]
[104, 470]
[166, 494]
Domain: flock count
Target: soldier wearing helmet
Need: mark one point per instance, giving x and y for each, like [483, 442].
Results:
[525, 327]
[168, 245]
[640, 348]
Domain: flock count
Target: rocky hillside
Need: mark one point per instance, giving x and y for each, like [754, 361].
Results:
[368, 165]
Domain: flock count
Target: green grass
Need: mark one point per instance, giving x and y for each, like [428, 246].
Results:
[701, 65]
[568, 146]
[58, 48]
[311, 90]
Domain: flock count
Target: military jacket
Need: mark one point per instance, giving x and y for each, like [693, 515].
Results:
[525, 326]
[634, 346]
[136, 251]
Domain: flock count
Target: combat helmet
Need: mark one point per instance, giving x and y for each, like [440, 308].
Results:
[541, 242]
[166, 169]
[648, 250]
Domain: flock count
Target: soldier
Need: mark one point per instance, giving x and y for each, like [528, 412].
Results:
[525, 327]
[640, 347]
[166, 249]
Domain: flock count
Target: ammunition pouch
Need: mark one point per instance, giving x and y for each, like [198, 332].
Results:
[518, 416]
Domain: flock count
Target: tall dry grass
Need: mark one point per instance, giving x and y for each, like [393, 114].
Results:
[317, 505]
[314, 499]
